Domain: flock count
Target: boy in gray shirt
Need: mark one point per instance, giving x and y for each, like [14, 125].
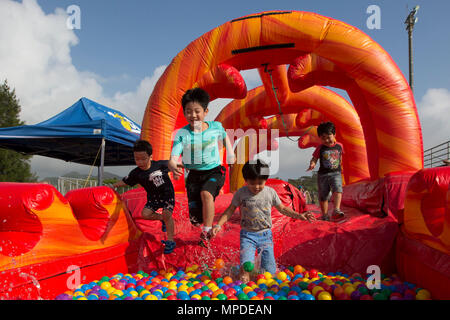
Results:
[255, 201]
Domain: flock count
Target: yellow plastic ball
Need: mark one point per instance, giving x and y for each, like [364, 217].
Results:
[316, 289]
[328, 282]
[168, 276]
[196, 296]
[267, 275]
[82, 298]
[423, 294]
[183, 287]
[306, 291]
[118, 292]
[151, 297]
[260, 281]
[105, 285]
[144, 292]
[134, 294]
[281, 276]
[78, 293]
[324, 296]
[110, 290]
[349, 290]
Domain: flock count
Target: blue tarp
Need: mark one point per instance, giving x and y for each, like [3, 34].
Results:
[76, 134]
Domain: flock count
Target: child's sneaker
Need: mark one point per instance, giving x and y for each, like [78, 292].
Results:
[163, 226]
[325, 217]
[204, 239]
[169, 245]
[338, 215]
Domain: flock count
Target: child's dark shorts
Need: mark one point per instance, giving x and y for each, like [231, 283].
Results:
[202, 180]
[327, 182]
[164, 200]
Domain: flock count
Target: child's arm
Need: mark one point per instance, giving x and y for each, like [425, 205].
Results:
[119, 184]
[226, 215]
[231, 159]
[175, 167]
[312, 164]
[292, 214]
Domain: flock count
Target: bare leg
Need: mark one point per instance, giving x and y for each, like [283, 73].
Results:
[244, 276]
[337, 200]
[149, 214]
[168, 220]
[208, 208]
[324, 207]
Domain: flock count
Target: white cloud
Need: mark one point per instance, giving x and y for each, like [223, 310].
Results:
[35, 58]
[434, 114]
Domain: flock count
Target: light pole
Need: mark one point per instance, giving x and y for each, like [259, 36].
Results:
[410, 21]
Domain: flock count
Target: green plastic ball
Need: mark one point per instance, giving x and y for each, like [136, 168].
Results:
[248, 266]
[221, 296]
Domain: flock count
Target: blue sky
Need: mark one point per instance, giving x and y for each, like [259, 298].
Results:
[124, 46]
[134, 37]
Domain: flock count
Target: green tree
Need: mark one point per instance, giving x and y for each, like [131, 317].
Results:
[14, 166]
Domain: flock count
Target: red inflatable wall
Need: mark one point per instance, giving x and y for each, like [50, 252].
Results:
[43, 233]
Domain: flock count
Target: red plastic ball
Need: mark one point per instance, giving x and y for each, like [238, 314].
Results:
[313, 273]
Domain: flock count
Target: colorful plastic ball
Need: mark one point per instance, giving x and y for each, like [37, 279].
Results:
[313, 273]
[281, 276]
[324, 296]
[219, 263]
[379, 296]
[248, 266]
[366, 297]
[396, 296]
[63, 296]
[423, 294]
[355, 295]
[242, 296]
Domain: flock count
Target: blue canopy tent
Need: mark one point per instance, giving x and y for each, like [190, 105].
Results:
[86, 133]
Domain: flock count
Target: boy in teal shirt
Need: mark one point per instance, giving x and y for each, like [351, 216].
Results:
[200, 143]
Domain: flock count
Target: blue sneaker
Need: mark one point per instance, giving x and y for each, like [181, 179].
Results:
[168, 246]
[163, 226]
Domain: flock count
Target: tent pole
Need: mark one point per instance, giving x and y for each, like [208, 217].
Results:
[102, 164]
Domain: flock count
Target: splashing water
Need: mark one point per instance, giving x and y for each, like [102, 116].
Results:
[35, 282]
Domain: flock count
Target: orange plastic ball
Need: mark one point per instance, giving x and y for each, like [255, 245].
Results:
[219, 263]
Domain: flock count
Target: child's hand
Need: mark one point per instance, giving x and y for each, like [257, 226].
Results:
[215, 230]
[176, 170]
[311, 166]
[309, 216]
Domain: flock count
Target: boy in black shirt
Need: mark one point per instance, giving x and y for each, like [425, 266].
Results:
[329, 177]
[154, 178]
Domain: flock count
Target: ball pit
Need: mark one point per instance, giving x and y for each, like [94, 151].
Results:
[289, 283]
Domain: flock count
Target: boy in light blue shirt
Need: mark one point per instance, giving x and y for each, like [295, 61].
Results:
[200, 143]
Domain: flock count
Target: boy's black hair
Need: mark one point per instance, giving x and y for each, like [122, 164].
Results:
[254, 171]
[195, 95]
[143, 145]
[326, 128]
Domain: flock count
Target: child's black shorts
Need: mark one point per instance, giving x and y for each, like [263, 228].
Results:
[165, 200]
[198, 180]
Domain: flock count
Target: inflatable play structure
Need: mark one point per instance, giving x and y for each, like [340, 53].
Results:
[399, 212]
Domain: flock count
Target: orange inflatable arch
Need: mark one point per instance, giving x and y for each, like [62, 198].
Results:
[317, 48]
